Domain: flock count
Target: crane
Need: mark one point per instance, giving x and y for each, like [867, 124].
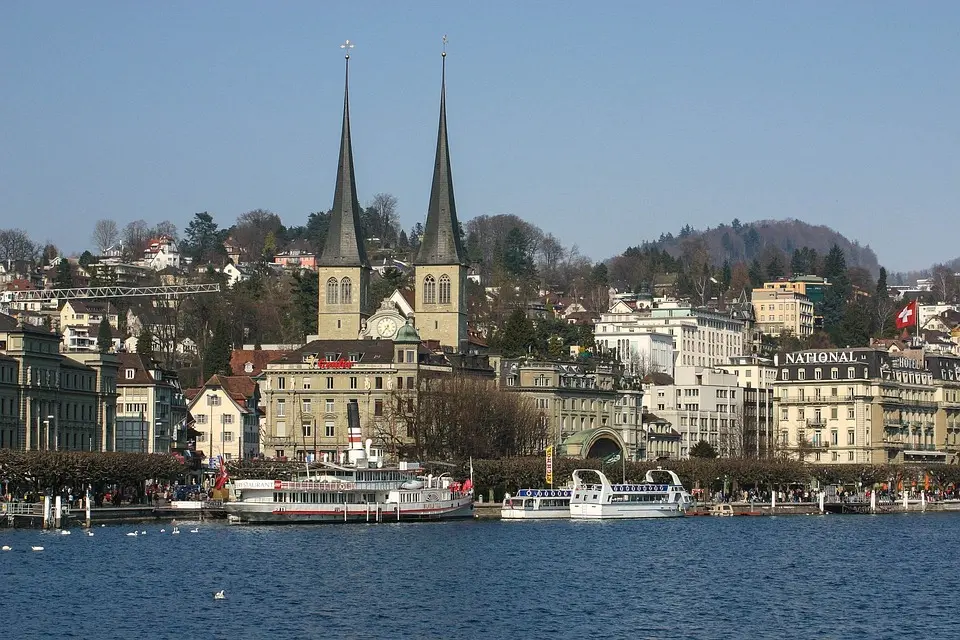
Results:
[7, 298]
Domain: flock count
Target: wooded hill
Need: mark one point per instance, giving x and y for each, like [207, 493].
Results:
[744, 242]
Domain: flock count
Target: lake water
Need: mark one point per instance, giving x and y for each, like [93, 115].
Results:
[788, 577]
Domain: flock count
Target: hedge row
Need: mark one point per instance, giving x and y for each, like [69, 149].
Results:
[42, 470]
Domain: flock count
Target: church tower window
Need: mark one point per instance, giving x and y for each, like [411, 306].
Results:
[429, 290]
[333, 291]
[444, 289]
[346, 291]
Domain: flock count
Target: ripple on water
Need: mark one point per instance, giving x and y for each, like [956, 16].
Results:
[834, 577]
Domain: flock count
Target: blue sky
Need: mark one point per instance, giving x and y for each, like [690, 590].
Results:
[604, 123]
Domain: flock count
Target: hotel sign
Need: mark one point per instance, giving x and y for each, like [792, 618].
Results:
[334, 364]
[821, 357]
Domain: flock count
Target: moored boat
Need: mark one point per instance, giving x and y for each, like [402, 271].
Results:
[649, 499]
[531, 504]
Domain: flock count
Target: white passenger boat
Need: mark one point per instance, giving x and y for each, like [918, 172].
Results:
[359, 489]
[650, 499]
[530, 504]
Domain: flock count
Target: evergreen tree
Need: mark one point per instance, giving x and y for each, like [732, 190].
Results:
[703, 449]
[857, 325]
[216, 357]
[797, 263]
[202, 239]
[726, 275]
[775, 267]
[104, 336]
[145, 343]
[86, 259]
[64, 277]
[756, 274]
[517, 259]
[518, 335]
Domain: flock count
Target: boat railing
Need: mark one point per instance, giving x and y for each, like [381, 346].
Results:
[22, 508]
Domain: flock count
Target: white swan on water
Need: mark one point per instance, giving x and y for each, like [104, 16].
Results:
[133, 534]
[195, 530]
[65, 532]
[219, 595]
[36, 548]
[6, 547]
[175, 531]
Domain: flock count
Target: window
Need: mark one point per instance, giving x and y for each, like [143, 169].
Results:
[378, 382]
[784, 413]
[429, 290]
[281, 408]
[201, 419]
[130, 374]
[227, 418]
[329, 382]
[801, 375]
[410, 382]
[281, 428]
[329, 430]
[399, 382]
[411, 355]
[329, 407]
[353, 382]
[306, 383]
[201, 437]
[306, 430]
[378, 407]
[851, 372]
[346, 291]
[228, 436]
[444, 289]
[850, 413]
[834, 437]
[333, 291]
[307, 405]
[834, 373]
[817, 374]
[850, 456]
[833, 413]
[851, 438]
[834, 456]
[281, 383]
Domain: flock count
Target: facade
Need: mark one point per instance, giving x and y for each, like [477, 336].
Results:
[701, 337]
[756, 378]
[662, 441]
[569, 397]
[226, 414]
[60, 402]
[87, 313]
[701, 404]
[813, 287]
[866, 405]
[306, 392]
[780, 312]
[640, 351]
[151, 406]
[162, 253]
[296, 259]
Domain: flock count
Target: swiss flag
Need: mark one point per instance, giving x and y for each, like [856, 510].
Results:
[907, 316]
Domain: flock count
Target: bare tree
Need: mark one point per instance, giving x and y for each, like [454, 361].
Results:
[105, 235]
[15, 244]
[165, 228]
[136, 234]
[385, 217]
[550, 253]
[251, 231]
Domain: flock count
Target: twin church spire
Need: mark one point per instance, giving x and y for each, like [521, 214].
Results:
[440, 245]
[440, 264]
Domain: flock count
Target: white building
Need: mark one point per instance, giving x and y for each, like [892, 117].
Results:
[701, 337]
[161, 253]
[702, 404]
[226, 414]
[756, 377]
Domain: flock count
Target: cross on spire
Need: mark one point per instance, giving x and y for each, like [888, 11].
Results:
[346, 46]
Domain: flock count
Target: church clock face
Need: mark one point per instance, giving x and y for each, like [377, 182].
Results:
[387, 327]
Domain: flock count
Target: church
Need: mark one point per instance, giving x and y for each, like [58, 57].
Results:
[378, 358]
[440, 269]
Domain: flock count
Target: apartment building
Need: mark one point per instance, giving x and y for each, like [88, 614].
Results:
[226, 414]
[778, 312]
[151, 406]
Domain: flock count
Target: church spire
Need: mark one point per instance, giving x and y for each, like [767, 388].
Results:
[343, 246]
[440, 244]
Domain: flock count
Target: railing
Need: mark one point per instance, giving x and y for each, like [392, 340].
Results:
[21, 508]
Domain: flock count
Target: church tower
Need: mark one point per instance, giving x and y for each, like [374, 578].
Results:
[344, 270]
[440, 266]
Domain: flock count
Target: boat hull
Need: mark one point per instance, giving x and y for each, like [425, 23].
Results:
[534, 514]
[269, 513]
[587, 511]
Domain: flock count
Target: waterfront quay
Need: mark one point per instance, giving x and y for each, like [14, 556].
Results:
[31, 514]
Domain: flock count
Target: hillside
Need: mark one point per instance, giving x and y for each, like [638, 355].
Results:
[739, 242]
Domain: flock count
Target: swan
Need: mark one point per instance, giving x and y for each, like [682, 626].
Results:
[195, 530]
[219, 595]
[6, 547]
[163, 530]
[36, 548]
[143, 533]
[133, 533]
[65, 532]
[90, 533]
[175, 531]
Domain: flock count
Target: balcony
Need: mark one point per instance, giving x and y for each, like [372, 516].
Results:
[816, 422]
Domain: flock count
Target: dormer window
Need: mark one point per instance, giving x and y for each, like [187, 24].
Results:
[354, 357]
[130, 373]
[330, 357]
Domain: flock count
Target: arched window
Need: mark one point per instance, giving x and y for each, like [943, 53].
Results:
[429, 290]
[333, 291]
[444, 289]
[346, 291]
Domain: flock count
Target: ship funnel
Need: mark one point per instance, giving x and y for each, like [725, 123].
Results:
[355, 453]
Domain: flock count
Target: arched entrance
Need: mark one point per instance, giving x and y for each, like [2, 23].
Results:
[602, 442]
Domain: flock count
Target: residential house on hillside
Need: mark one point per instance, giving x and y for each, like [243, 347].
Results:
[237, 273]
[296, 257]
[233, 250]
[227, 417]
[83, 313]
[161, 253]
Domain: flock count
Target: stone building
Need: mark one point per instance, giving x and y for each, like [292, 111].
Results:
[59, 402]
[151, 406]
[866, 405]
[306, 392]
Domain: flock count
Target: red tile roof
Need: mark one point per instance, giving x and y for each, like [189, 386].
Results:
[258, 359]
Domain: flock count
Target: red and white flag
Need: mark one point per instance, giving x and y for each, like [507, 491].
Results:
[907, 316]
